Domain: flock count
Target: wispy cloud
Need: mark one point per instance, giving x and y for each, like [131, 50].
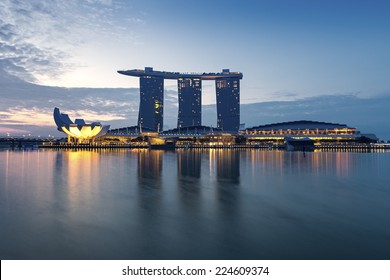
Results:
[11, 130]
[44, 116]
[39, 38]
[25, 116]
[104, 102]
[91, 116]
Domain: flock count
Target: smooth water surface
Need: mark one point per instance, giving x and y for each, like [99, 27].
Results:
[215, 204]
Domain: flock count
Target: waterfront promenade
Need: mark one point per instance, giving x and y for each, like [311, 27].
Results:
[374, 147]
[47, 143]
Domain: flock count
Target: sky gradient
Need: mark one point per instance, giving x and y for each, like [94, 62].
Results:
[287, 50]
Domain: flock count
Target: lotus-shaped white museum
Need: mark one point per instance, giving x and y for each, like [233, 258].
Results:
[78, 130]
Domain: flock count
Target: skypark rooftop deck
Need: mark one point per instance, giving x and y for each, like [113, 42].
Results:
[176, 75]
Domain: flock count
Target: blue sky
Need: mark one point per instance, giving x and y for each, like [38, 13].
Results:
[287, 50]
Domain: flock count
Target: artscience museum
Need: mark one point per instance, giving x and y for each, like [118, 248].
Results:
[78, 131]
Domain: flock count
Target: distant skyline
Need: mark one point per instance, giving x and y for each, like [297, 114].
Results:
[287, 50]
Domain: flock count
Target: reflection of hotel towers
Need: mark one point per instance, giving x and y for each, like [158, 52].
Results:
[190, 90]
[149, 164]
[188, 163]
[228, 165]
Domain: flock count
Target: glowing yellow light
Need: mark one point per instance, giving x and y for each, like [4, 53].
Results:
[86, 131]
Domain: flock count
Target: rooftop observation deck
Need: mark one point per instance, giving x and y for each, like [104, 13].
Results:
[177, 75]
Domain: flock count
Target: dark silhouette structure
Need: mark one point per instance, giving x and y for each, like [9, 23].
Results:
[151, 107]
[190, 102]
[151, 110]
[228, 103]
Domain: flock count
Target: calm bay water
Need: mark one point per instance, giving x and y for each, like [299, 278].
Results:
[217, 204]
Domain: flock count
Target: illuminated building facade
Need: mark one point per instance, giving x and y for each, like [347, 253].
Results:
[302, 128]
[190, 91]
[317, 131]
[228, 103]
[78, 131]
[151, 107]
[190, 102]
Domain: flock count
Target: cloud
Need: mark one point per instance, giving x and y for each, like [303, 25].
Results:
[170, 98]
[103, 2]
[39, 39]
[105, 102]
[367, 115]
[44, 116]
[28, 39]
[92, 116]
[29, 107]
[11, 130]
[285, 95]
[26, 116]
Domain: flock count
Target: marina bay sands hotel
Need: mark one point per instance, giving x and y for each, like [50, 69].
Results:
[151, 109]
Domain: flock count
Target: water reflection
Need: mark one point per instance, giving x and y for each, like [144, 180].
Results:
[212, 204]
[189, 163]
[229, 202]
[149, 164]
[296, 163]
[228, 165]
